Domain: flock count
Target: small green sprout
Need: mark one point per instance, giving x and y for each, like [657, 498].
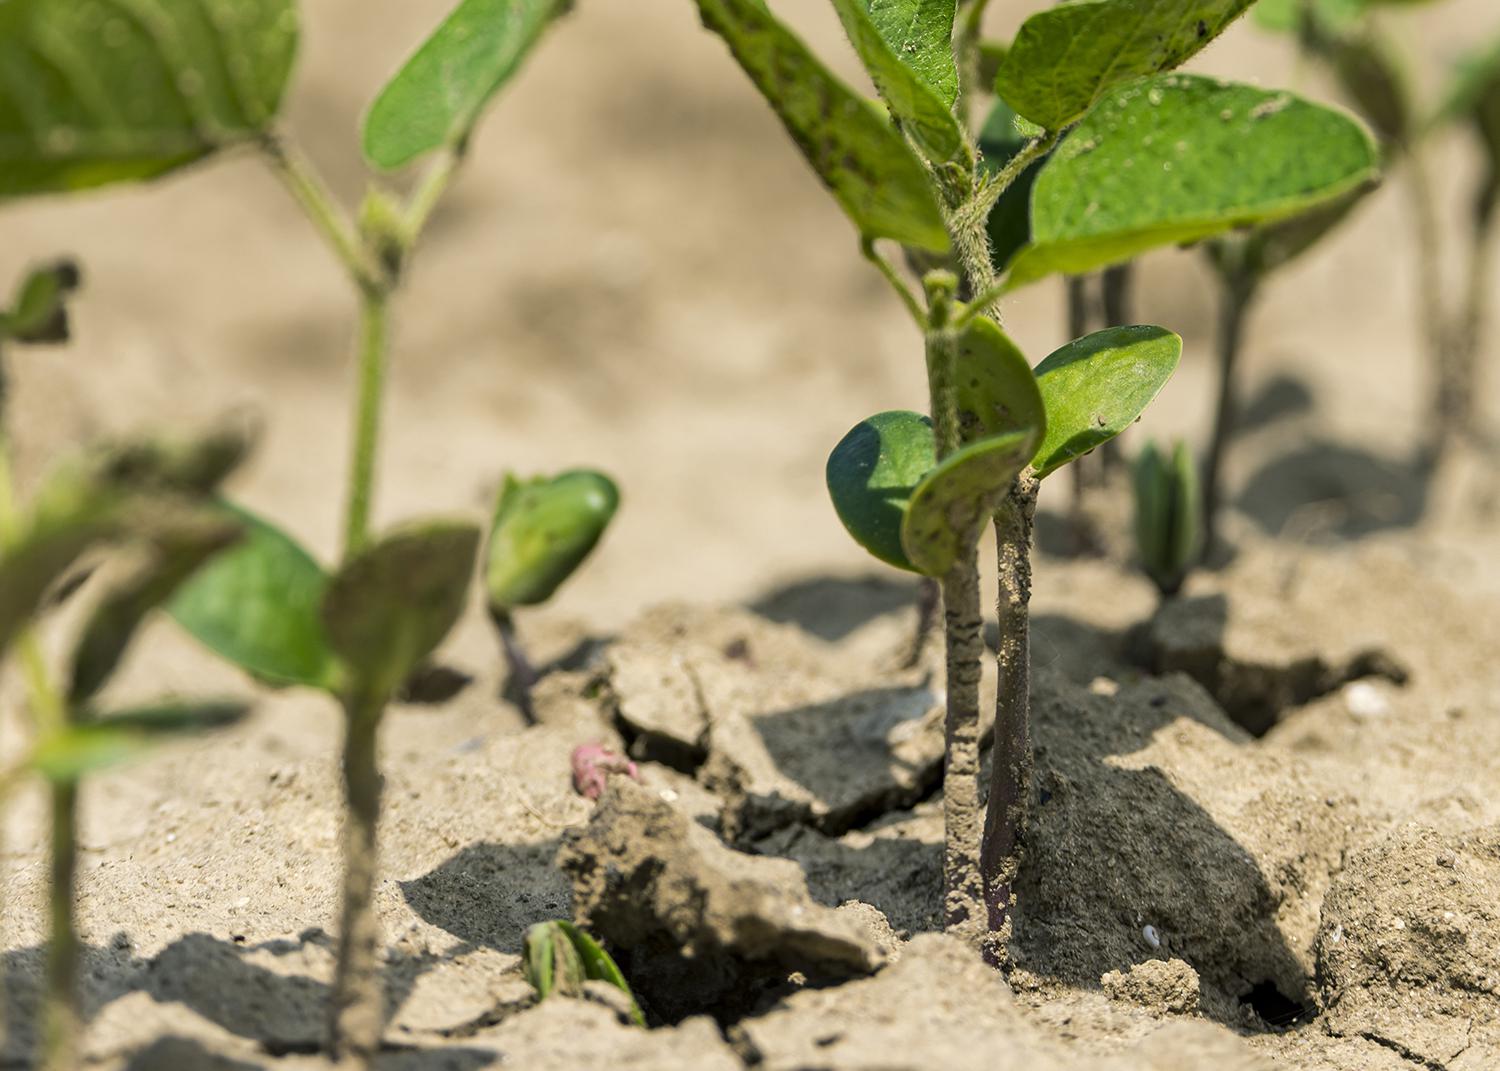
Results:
[558, 957]
[1168, 515]
[543, 529]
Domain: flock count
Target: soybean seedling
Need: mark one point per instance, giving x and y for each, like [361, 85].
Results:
[1168, 515]
[1346, 38]
[201, 79]
[558, 957]
[543, 529]
[1141, 159]
[148, 497]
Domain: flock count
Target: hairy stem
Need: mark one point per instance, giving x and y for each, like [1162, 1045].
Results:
[61, 1022]
[1009, 805]
[373, 343]
[1235, 296]
[968, 225]
[358, 1006]
[521, 674]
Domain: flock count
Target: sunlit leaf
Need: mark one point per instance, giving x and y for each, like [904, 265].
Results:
[997, 391]
[68, 754]
[543, 529]
[951, 504]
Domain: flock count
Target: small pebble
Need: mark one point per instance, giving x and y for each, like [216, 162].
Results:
[1364, 700]
[1104, 686]
[1400, 924]
[1447, 859]
[1152, 937]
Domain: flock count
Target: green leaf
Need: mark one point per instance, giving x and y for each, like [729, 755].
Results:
[1098, 386]
[951, 504]
[543, 529]
[851, 145]
[1286, 16]
[1371, 76]
[920, 32]
[997, 391]
[94, 92]
[1267, 249]
[1064, 59]
[65, 756]
[1475, 98]
[871, 475]
[178, 549]
[1180, 158]
[391, 604]
[438, 96]
[1009, 223]
[1168, 515]
[258, 606]
[558, 957]
[39, 313]
[925, 115]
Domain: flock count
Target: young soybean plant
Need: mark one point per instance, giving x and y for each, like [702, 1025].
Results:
[543, 529]
[1168, 515]
[558, 957]
[1150, 160]
[148, 497]
[92, 94]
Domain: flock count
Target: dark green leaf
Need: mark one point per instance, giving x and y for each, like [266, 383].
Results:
[1098, 386]
[93, 92]
[1267, 249]
[950, 506]
[68, 754]
[925, 115]
[391, 604]
[258, 606]
[871, 475]
[1180, 158]
[39, 313]
[438, 96]
[558, 957]
[997, 392]
[1475, 98]
[1168, 514]
[1371, 77]
[851, 146]
[921, 33]
[178, 548]
[1064, 59]
[1010, 219]
[542, 531]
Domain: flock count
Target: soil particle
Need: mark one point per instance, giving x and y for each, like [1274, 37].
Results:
[697, 924]
[1167, 986]
[1409, 947]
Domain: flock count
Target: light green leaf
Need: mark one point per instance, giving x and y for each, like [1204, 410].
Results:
[921, 33]
[39, 313]
[391, 604]
[558, 957]
[851, 145]
[1180, 158]
[871, 475]
[1096, 387]
[925, 115]
[1064, 59]
[258, 606]
[997, 392]
[542, 531]
[950, 506]
[1168, 514]
[439, 95]
[94, 92]
[1286, 16]
[65, 756]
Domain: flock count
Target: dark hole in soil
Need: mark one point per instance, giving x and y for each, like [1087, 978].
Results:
[1273, 1006]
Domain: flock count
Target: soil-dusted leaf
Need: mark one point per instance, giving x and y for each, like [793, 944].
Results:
[542, 531]
[558, 957]
[951, 504]
[921, 33]
[997, 391]
[1064, 59]
[1180, 158]
[922, 112]
[258, 606]
[439, 95]
[391, 604]
[1168, 514]
[871, 475]
[180, 546]
[851, 145]
[68, 754]
[1009, 224]
[95, 92]
[1096, 387]
[39, 313]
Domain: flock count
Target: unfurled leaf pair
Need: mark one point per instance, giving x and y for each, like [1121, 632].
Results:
[558, 957]
[915, 513]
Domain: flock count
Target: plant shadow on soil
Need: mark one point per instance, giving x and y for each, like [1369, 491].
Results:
[488, 894]
[282, 1013]
[1326, 491]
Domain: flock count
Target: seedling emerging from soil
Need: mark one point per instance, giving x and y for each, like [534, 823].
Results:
[1168, 515]
[542, 531]
[1137, 159]
[201, 79]
[558, 957]
[145, 496]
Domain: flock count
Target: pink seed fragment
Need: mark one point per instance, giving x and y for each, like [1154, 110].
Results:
[592, 765]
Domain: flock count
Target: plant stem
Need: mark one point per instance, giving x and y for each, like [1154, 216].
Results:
[929, 603]
[309, 190]
[522, 675]
[1468, 333]
[425, 199]
[908, 299]
[1446, 391]
[1011, 770]
[963, 886]
[61, 1022]
[968, 225]
[358, 1006]
[1235, 294]
[968, 29]
[373, 342]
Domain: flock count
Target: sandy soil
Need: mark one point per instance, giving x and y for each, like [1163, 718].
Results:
[639, 273]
